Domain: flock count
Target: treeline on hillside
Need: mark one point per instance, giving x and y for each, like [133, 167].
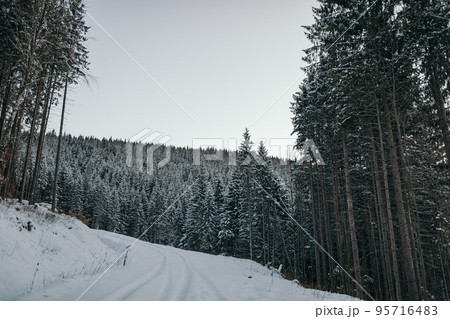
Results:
[375, 101]
[41, 53]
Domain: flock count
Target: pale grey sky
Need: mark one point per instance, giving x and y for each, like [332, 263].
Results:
[225, 62]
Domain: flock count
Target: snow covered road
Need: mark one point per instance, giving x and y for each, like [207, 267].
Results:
[155, 272]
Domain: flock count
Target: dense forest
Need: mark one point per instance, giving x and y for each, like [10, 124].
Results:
[373, 222]
[375, 97]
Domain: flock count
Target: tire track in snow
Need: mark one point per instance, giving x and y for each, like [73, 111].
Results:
[217, 294]
[175, 278]
[183, 286]
[161, 282]
[126, 291]
[194, 272]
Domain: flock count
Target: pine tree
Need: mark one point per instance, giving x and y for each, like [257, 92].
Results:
[228, 227]
[209, 226]
[246, 209]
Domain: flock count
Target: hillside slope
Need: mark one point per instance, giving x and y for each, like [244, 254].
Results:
[38, 247]
[71, 257]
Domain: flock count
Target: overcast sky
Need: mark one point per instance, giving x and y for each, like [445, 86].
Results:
[223, 62]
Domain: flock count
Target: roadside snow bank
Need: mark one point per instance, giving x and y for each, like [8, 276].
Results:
[38, 247]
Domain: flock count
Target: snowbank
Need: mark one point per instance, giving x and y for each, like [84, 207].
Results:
[38, 247]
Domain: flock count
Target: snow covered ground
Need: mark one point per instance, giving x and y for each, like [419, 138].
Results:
[59, 258]
[55, 248]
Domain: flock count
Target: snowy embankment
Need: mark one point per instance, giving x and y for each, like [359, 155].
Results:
[38, 247]
[59, 258]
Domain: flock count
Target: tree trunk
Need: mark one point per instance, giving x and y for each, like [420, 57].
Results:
[405, 236]
[374, 250]
[4, 111]
[45, 115]
[328, 236]
[321, 228]
[390, 222]
[315, 231]
[30, 141]
[406, 190]
[9, 187]
[337, 216]
[440, 108]
[58, 151]
[351, 218]
[383, 231]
